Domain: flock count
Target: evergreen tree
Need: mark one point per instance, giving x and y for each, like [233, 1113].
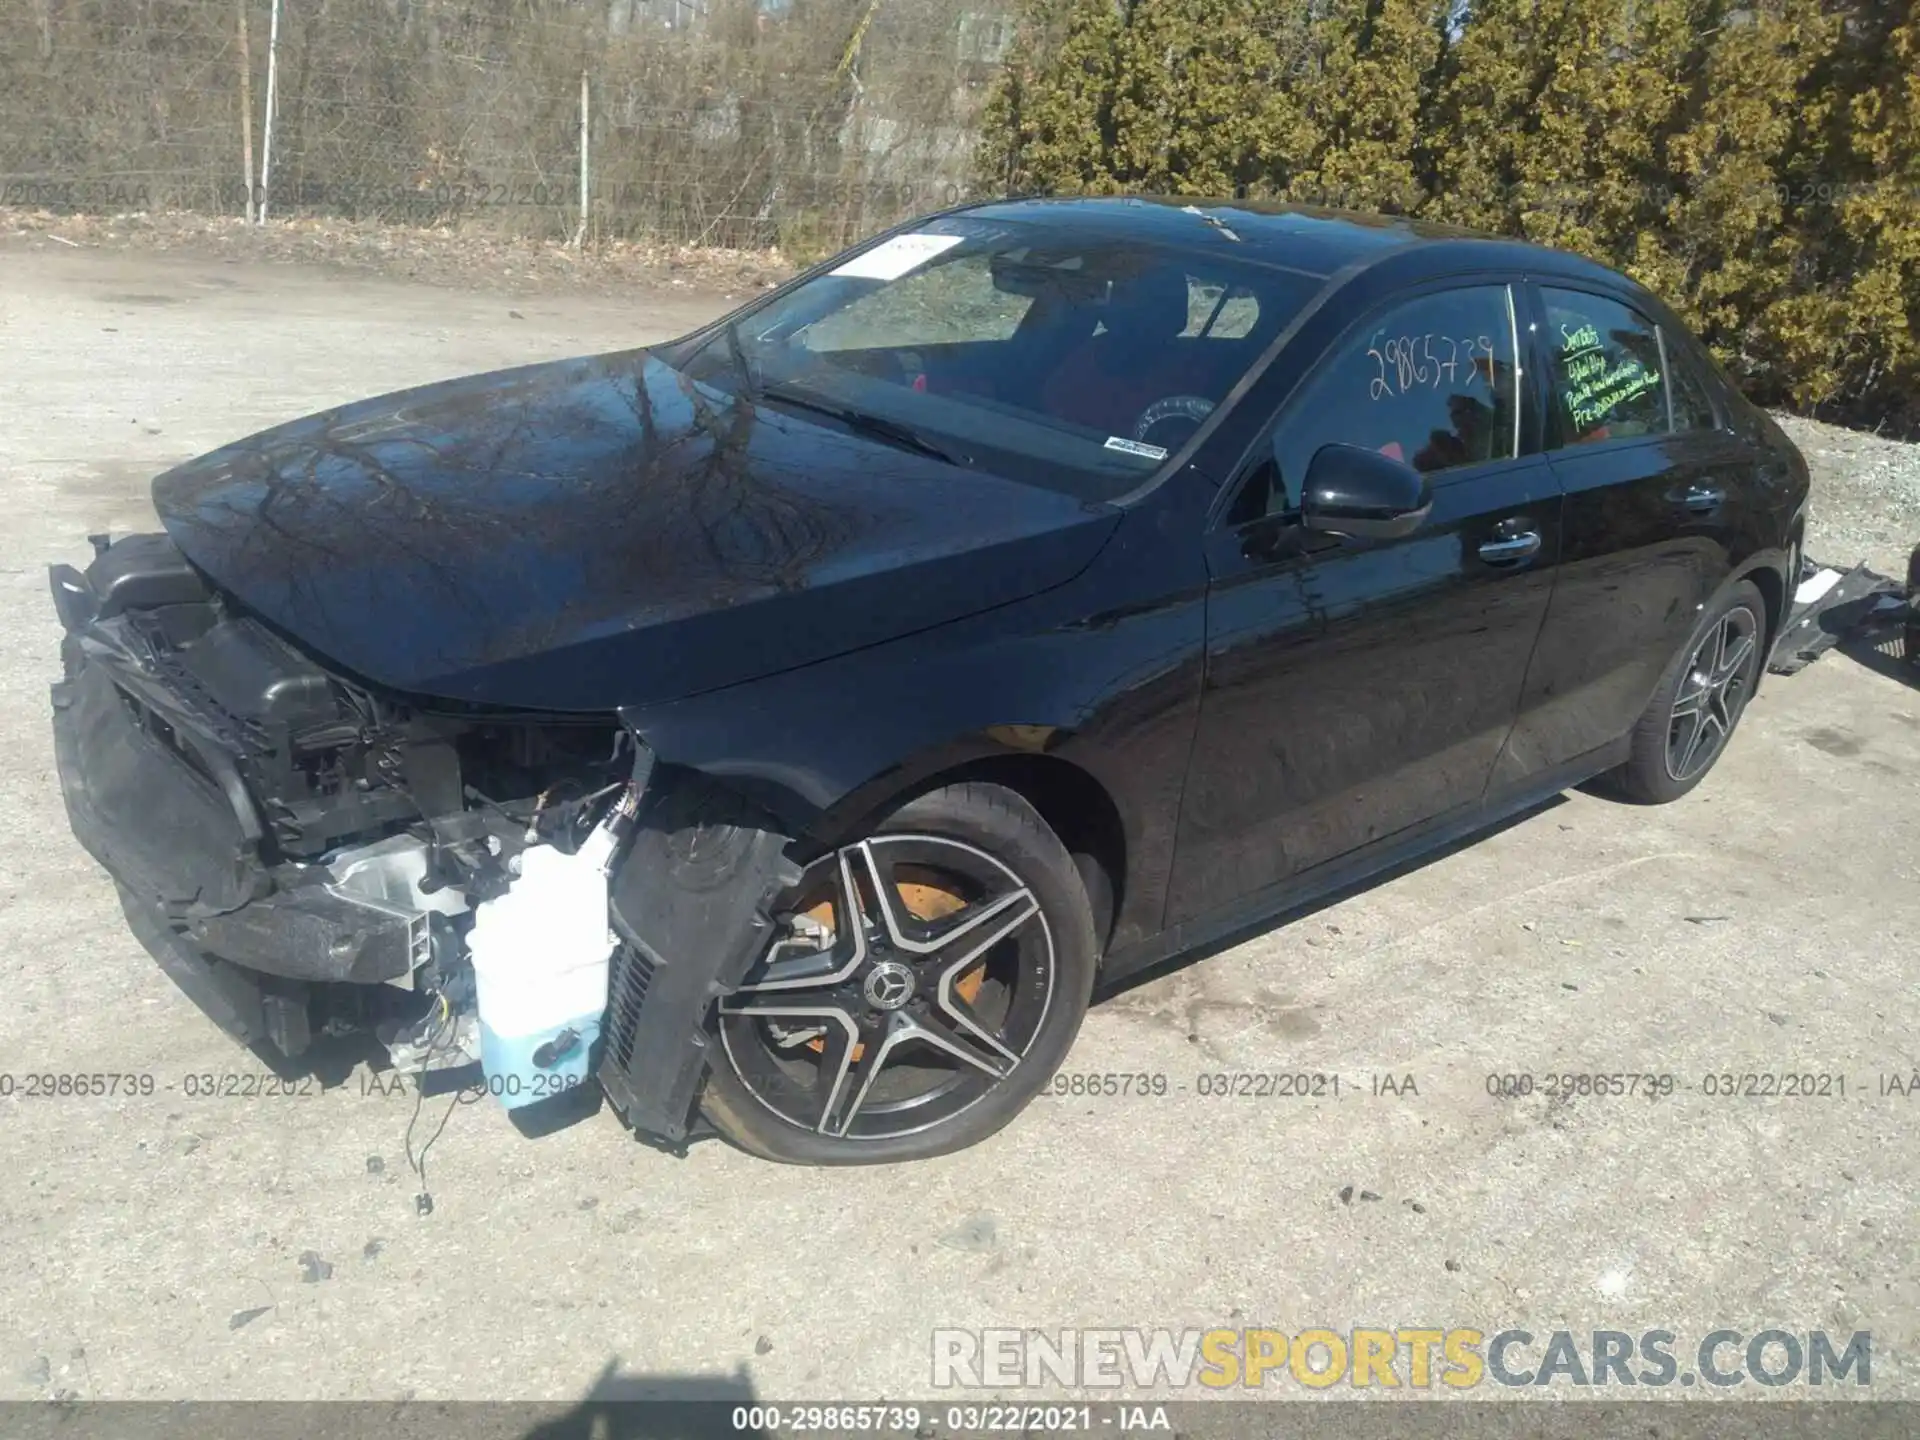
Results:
[1880, 216]
[1756, 162]
[1552, 118]
[1488, 92]
[1377, 63]
[1202, 104]
[1741, 243]
[1049, 123]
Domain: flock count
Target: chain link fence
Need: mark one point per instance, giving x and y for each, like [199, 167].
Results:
[802, 124]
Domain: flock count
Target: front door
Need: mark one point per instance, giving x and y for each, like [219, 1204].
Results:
[1356, 688]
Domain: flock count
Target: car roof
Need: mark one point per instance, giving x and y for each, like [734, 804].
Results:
[1306, 239]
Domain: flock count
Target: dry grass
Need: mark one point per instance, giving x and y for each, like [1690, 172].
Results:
[438, 256]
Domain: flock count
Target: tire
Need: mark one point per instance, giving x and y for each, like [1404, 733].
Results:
[1710, 680]
[918, 1030]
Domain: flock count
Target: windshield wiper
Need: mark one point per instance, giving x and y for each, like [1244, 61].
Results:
[878, 426]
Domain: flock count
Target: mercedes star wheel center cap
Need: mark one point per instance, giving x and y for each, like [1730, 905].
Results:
[889, 985]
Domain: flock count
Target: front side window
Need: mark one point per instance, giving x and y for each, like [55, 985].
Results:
[1430, 382]
[1606, 369]
[1066, 359]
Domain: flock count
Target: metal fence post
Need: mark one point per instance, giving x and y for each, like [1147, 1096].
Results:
[246, 114]
[266, 141]
[586, 97]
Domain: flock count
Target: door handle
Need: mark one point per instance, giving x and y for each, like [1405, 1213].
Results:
[1698, 499]
[1511, 549]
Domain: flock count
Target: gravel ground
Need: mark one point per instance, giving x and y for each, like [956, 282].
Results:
[174, 1244]
[1866, 496]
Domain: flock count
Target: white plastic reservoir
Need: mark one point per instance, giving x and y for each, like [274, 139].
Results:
[539, 955]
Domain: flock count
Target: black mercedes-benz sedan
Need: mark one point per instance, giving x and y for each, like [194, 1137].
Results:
[787, 728]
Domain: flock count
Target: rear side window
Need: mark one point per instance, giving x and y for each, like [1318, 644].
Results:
[1606, 369]
[1692, 409]
[1431, 382]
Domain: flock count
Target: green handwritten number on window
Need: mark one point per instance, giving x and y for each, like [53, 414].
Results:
[1596, 401]
[1585, 338]
[1598, 385]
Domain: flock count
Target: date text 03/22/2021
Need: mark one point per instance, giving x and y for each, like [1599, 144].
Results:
[1230, 1085]
[1507, 1085]
[1012, 1418]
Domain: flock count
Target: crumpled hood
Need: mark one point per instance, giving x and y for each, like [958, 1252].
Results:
[593, 533]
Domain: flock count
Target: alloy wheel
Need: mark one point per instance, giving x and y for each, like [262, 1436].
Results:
[1713, 688]
[911, 975]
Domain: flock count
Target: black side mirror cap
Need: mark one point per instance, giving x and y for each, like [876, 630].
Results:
[1351, 490]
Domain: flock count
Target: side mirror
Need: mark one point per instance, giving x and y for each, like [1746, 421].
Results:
[1353, 491]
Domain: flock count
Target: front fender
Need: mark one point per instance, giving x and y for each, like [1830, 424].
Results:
[816, 743]
[1113, 691]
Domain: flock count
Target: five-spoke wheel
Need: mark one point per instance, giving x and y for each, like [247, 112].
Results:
[1713, 687]
[925, 981]
[1690, 718]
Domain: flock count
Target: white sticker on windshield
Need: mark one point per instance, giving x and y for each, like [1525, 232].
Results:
[1134, 447]
[891, 259]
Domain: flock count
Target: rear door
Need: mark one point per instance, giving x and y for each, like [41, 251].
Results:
[1355, 688]
[1657, 485]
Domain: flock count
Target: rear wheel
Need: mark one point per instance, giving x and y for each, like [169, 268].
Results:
[926, 982]
[1692, 715]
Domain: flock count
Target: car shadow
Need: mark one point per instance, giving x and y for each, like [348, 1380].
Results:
[329, 1059]
[1134, 979]
[671, 1407]
[1883, 652]
[334, 1060]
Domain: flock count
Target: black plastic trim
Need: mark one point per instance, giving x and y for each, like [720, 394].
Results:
[691, 905]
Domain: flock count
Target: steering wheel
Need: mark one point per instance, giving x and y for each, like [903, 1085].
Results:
[1190, 408]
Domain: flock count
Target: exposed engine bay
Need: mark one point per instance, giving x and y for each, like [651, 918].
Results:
[307, 856]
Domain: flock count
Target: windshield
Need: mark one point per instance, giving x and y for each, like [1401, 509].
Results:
[1077, 362]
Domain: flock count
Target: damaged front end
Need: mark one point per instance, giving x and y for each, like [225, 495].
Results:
[303, 854]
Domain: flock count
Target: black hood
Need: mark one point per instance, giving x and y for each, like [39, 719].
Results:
[602, 532]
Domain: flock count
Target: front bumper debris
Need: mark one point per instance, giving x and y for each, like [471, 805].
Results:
[150, 755]
[691, 905]
[259, 1012]
[1829, 608]
[171, 761]
[177, 844]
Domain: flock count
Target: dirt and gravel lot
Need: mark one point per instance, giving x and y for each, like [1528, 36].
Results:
[182, 1246]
